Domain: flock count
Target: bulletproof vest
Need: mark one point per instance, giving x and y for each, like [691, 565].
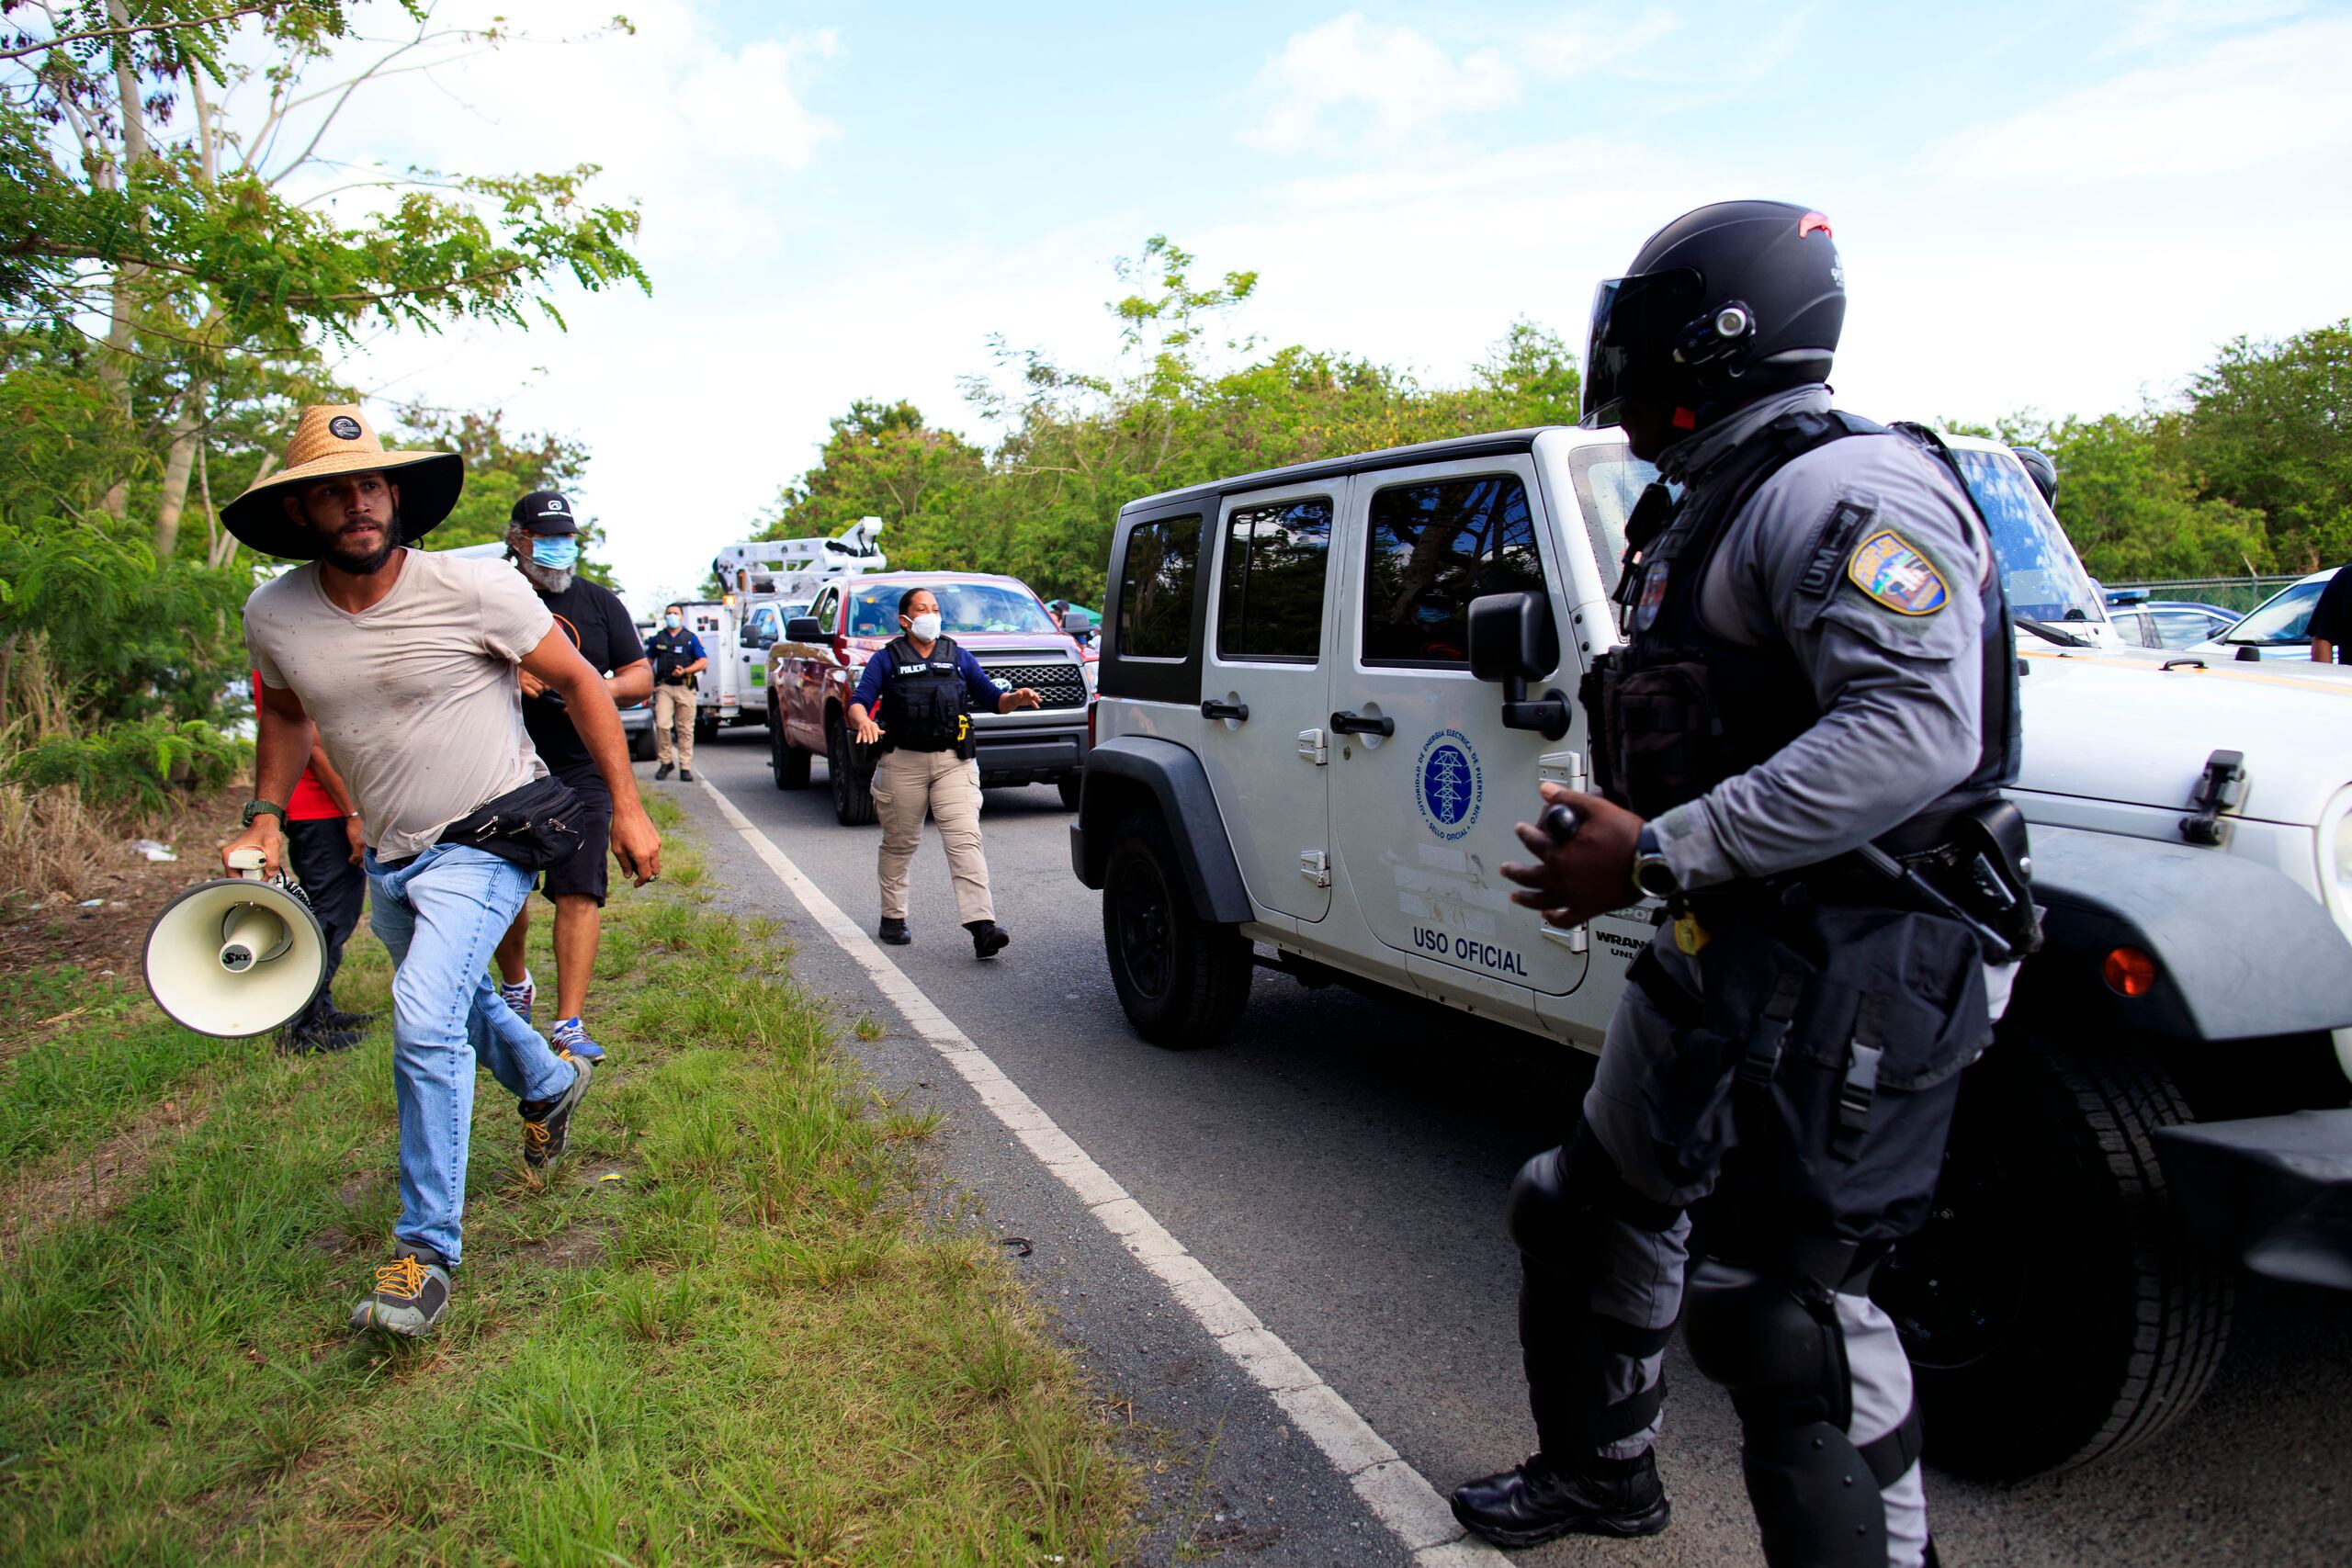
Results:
[1678, 709]
[925, 704]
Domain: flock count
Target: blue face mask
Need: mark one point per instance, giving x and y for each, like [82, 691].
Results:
[555, 554]
[673, 622]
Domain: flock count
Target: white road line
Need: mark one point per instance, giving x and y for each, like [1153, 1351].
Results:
[1397, 1495]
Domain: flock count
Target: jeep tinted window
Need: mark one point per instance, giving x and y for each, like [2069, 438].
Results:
[1271, 602]
[1156, 591]
[1432, 549]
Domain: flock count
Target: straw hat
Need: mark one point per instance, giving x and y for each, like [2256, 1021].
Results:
[335, 438]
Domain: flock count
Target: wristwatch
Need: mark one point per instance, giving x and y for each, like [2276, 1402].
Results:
[263, 809]
[1653, 877]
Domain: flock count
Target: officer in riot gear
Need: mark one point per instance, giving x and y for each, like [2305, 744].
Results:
[914, 701]
[1798, 753]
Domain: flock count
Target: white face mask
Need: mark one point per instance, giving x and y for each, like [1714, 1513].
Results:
[926, 627]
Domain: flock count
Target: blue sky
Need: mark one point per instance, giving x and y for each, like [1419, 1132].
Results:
[2060, 206]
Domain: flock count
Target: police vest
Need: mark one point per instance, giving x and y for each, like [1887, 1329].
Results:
[1678, 709]
[925, 704]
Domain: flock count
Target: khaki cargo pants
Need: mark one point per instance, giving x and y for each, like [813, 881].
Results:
[906, 785]
[674, 713]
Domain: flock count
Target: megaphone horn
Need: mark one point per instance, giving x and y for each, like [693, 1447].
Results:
[237, 955]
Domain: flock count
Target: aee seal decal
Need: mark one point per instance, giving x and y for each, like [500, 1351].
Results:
[1893, 572]
[1447, 785]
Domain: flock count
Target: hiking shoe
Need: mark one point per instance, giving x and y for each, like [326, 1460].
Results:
[1537, 1501]
[522, 996]
[411, 1294]
[988, 938]
[895, 933]
[547, 1123]
[570, 1038]
[665, 770]
[335, 1017]
[685, 775]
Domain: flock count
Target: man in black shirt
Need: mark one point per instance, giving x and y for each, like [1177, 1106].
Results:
[2331, 626]
[542, 536]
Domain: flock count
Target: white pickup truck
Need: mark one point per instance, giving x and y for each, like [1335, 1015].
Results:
[1296, 769]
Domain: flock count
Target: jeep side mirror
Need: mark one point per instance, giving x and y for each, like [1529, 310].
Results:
[1512, 640]
[804, 628]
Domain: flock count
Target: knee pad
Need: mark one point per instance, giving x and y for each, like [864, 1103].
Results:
[1555, 1193]
[1780, 1357]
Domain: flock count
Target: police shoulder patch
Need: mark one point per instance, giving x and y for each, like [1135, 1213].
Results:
[1893, 572]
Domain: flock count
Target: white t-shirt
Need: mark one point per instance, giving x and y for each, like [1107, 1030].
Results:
[415, 697]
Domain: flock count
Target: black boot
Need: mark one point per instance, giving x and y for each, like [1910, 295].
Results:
[664, 771]
[988, 938]
[1536, 1503]
[894, 932]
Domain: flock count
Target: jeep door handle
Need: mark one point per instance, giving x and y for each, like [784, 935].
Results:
[1238, 712]
[1357, 724]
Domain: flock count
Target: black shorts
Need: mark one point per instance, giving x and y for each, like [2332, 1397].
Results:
[587, 870]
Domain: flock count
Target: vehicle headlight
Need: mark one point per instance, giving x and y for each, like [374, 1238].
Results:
[2335, 857]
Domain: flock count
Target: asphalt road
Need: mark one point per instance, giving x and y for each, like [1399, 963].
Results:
[1341, 1167]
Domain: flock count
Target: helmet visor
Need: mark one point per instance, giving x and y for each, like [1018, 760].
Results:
[1633, 320]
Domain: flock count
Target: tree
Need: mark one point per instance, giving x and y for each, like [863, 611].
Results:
[500, 470]
[144, 192]
[2268, 427]
[2133, 513]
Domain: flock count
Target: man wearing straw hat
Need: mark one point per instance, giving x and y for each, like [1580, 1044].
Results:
[406, 664]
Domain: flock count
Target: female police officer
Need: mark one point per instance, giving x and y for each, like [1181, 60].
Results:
[923, 687]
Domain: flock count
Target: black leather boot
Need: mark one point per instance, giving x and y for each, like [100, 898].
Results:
[988, 938]
[1536, 1503]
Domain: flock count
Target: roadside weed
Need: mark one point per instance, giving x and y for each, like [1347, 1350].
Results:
[723, 1329]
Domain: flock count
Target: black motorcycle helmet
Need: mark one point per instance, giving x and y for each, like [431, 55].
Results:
[1727, 304]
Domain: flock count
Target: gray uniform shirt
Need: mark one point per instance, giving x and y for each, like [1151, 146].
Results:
[1900, 691]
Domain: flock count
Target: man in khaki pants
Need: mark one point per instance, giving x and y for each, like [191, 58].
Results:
[678, 657]
[923, 687]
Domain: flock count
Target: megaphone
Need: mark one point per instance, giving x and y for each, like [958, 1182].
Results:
[236, 956]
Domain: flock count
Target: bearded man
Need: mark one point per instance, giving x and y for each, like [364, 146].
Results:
[407, 665]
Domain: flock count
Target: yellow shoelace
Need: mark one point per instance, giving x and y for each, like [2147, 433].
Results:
[535, 1133]
[401, 1277]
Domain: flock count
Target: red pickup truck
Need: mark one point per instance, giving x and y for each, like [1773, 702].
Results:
[813, 672]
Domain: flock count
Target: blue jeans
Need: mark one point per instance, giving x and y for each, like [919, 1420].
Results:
[440, 914]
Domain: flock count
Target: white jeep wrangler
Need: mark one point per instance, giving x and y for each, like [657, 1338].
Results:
[1295, 768]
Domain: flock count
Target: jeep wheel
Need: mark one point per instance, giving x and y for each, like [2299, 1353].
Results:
[1073, 788]
[853, 796]
[2053, 1306]
[1182, 979]
[787, 761]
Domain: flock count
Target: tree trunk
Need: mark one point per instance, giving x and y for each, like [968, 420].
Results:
[113, 366]
[187, 427]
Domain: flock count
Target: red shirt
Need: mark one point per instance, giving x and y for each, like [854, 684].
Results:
[310, 800]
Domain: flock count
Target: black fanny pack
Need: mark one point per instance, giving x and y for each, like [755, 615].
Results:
[536, 826]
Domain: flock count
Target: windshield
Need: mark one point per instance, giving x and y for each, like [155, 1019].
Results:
[2044, 577]
[2284, 618]
[963, 608]
[1608, 480]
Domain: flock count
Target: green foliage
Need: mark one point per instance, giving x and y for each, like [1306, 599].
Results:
[2133, 513]
[134, 764]
[500, 470]
[2269, 426]
[1078, 445]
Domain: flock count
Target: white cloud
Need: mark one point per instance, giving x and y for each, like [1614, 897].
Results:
[1590, 40]
[2246, 102]
[747, 101]
[1391, 84]
[2156, 23]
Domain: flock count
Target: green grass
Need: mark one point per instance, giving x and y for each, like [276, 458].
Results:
[750, 1346]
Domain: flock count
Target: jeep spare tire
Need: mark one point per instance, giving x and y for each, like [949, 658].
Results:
[2053, 1306]
[1182, 979]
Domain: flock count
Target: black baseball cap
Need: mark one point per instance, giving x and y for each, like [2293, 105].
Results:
[545, 512]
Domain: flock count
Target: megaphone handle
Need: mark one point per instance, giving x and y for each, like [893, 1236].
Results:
[246, 863]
